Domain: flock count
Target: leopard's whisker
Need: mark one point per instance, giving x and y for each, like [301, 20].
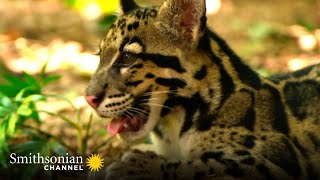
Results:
[138, 111]
[159, 105]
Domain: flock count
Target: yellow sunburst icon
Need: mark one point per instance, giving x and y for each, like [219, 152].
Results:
[95, 162]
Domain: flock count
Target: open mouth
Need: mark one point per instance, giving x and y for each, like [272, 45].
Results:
[132, 120]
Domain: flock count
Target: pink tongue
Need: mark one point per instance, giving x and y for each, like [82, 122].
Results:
[116, 125]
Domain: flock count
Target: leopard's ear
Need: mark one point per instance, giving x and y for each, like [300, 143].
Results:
[128, 5]
[183, 21]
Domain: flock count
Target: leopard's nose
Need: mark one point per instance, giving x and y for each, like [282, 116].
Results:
[93, 101]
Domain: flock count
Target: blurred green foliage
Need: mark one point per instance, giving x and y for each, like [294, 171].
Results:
[107, 6]
[307, 24]
[260, 30]
[107, 20]
[20, 122]
[18, 98]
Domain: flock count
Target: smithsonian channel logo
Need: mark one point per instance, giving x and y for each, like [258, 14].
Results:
[59, 163]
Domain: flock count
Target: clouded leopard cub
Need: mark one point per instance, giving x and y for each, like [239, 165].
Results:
[164, 73]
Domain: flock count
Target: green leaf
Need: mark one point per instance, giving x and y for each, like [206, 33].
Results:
[29, 78]
[27, 171]
[39, 146]
[12, 120]
[32, 81]
[4, 111]
[6, 101]
[15, 80]
[35, 116]
[50, 79]
[13, 87]
[102, 132]
[307, 24]
[43, 70]
[15, 84]
[3, 160]
[6, 106]
[9, 90]
[24, 148]
[57, 148]
[35, 97]
[3, 143]
[25, 92]
[107, 20]
[260, 30]
[4, 146]
[20, 95]
[70, 2]
[24, 110]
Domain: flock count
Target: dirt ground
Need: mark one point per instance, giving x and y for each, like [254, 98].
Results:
[260, 31]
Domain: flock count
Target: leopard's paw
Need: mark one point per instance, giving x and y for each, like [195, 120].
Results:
[135, 165]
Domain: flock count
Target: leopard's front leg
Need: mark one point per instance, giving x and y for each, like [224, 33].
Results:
[210, 165]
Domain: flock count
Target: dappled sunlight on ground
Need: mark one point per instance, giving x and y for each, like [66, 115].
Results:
[213, 6]
[26, 55]
[307, 40]
[39, 36]
[271, 38]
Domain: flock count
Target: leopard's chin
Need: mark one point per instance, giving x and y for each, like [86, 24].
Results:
[142, 132]
[130, 121]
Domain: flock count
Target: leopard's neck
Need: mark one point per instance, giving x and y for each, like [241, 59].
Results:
[232, 96]
[225, 58]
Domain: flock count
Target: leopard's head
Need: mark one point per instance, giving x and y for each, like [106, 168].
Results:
[148, 56]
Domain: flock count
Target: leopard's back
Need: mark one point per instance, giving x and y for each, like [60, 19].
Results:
[301, 96]
[301, 92]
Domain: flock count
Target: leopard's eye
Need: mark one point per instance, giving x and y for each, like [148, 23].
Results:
[126, 59]
[127, 56]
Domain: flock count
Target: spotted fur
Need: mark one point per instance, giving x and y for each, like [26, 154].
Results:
[209, 115]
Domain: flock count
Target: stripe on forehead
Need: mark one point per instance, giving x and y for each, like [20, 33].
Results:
[133, 45]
